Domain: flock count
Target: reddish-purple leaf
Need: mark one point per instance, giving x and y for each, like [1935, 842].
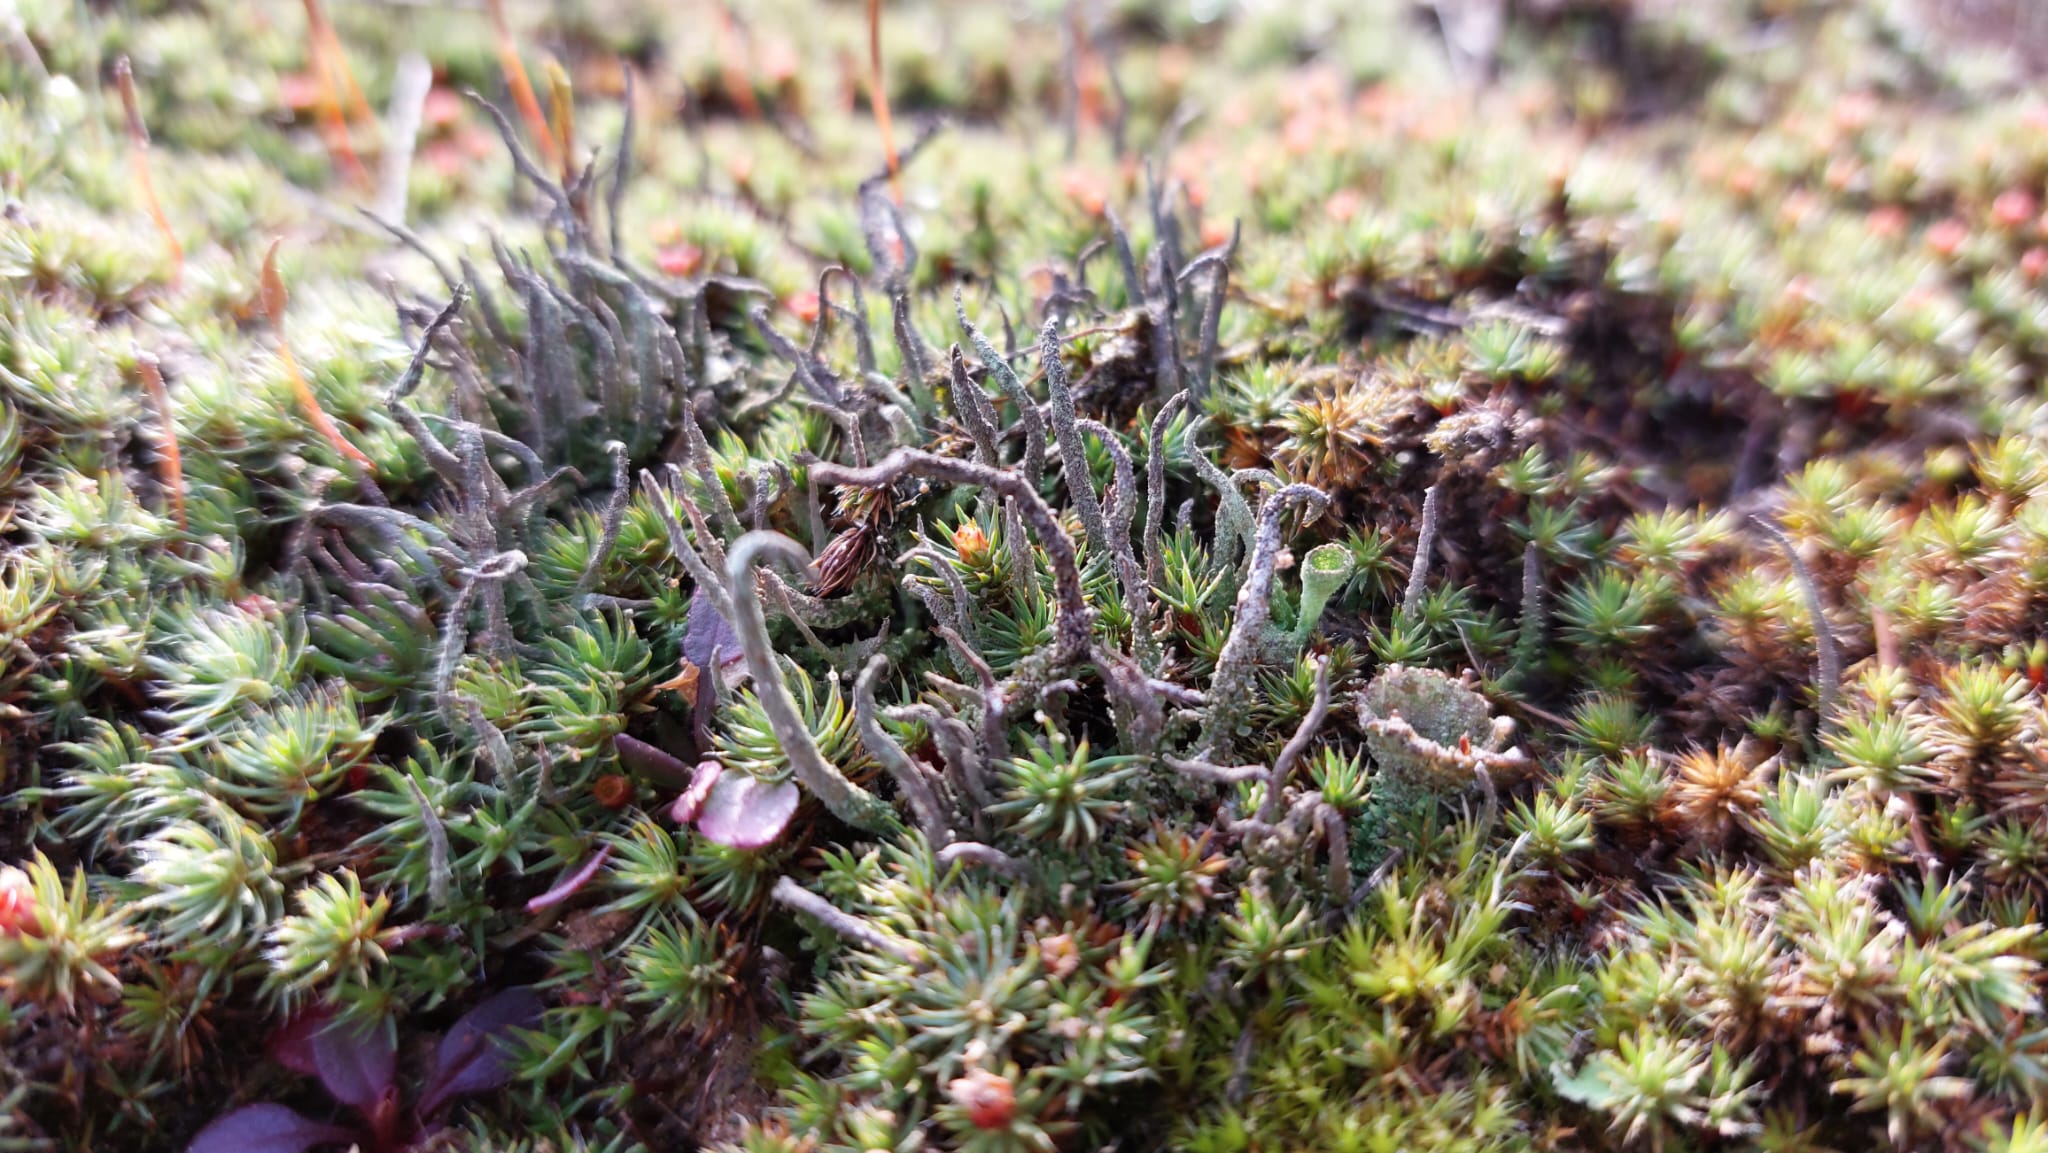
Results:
[471, 1059]
[570, 885]
[292, 1045]
[355, 1064]
[708, 641]
[691, 803]
[651, 762]
[746, 812]
[266, 1129]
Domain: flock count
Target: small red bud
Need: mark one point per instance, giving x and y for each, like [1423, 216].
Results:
[988, 1099]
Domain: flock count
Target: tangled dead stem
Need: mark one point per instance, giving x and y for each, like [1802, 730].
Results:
[1450, 576]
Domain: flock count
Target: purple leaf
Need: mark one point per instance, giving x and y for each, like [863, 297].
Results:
[708, 640]
[746, 812]
[355, 1065]
[570, 885]
[470, 1059]
[266, 1129]
[651, 762]
[691, 803]
[292, 1045]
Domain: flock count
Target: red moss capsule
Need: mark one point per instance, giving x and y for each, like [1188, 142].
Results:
[17, 903]
[612, 790]
[988, 1099]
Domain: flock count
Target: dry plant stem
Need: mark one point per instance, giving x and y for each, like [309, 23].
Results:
[1529, 633]
[1212, 308]
[1829, 654]
[1073, 621]
[957, 745]
[998, 366]
[732, 71]
[1234, 527]
[1155, 486]
[1283, 766]
[138, 162]
[1218, 774]
[1073, 454]
[439, 873]
[986, 856]
[614, 514]
[330, 43]
[522, 88]
[909, 776]
[1231, 691]
[1123, 508]
[1425, 544]
[963, 604]
[622, 167]
[320, 48]
[995, 711]
[700, 570]
[1438, 753]
[971, 409]
[170, 463]
[1337, 838]
[796, 898]
[562, 103]
[878, 96]
[847, 801]
[274, 299]
[410, 86]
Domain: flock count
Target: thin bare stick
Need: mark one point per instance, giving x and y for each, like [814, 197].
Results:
[1829, 653]
[522, 88]
[1155, 486]
[1230, 690]
[1073, 621]
[847, 801]
[170, 463]
[732, 71]
[910, 776]
[1283, 765]
[337, 60]
[562, 103]
[986, 856]
[274, 299]
[1425, 544]
[1338, 839]
[320, 50]
[439, 873]
[410, 86]
[796, 898]
[138, 161]
[878, 97]
[1073, 454]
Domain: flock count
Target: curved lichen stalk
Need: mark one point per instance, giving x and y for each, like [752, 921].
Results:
[909, 775]
[1073, 620]
[1073, 454]
[998, 366]
[847, 801]
[1231, 692]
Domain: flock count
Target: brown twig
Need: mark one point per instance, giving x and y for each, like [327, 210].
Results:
[323, 50]
[878, 97]
[330, 46]
[562, 104]
[738, 88]
[138, 159]
[522, 88]
[170, 462]
[274, 298]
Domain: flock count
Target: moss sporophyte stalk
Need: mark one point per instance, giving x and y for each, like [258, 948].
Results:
[1023, 578]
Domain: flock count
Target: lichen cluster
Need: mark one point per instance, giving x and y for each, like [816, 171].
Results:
[1110, 575]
